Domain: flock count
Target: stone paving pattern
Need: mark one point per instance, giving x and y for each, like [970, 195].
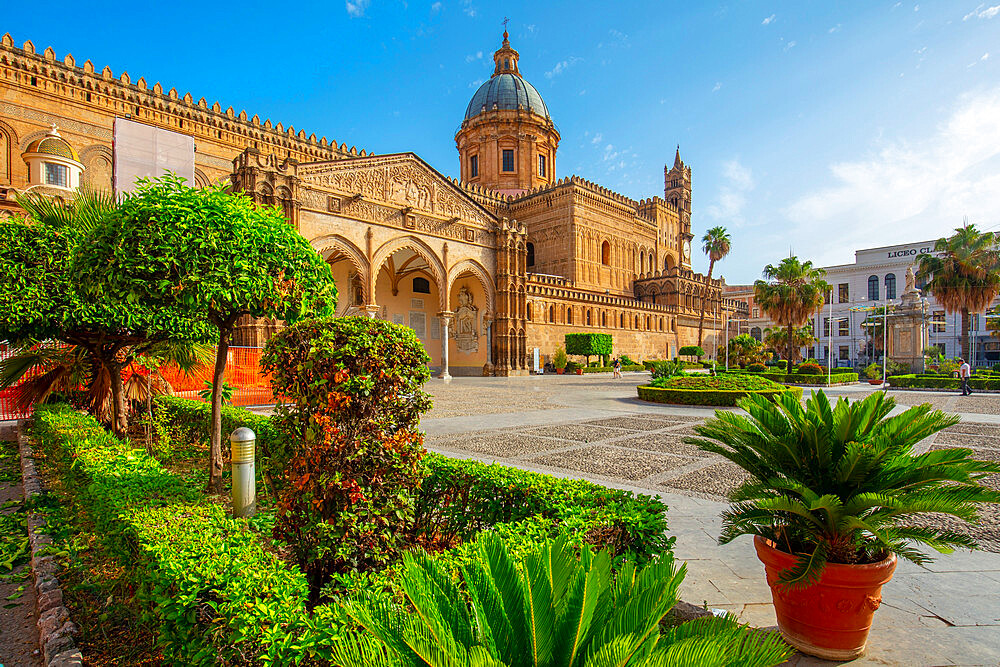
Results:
[593, 427]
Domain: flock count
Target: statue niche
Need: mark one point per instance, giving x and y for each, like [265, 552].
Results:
[466, 332]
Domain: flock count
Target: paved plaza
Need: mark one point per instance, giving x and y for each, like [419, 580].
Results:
[593, 427]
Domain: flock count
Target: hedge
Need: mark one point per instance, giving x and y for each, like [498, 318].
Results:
[941, 382]
[610, 369]
[719, 397]
[220, 594]
[801, 378]
[588, 344]
[648, 365]
[216, 592]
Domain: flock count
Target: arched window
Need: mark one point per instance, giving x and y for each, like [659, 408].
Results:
[648, 327]
[552, 314]
[661, 324]
[668, 262]
[606, 254]
[652, 263]
[636, 321]
[890, 285]
[621, 321]
[569, 315]
[755, 332]
[529, 312]
[873, 288]
[588, 318]
[421, 286]
[604, 319]
[642, 261]
[531, 253]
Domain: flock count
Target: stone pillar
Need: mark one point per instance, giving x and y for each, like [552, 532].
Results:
[907, 332]
[488, 368]
[371, 310]
[446, 317]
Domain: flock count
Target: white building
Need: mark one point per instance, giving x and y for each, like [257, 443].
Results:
[877, 277]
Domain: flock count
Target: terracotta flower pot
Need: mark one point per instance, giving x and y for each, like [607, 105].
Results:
[560, 371]
[830, 619]
[874, 382]
[579, 371]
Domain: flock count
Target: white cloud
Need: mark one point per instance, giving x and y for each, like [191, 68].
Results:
[769, 20]
[474, 56]
[834, 29]
[909, 190]
[561, 67]
[468, 9]
[356, 9]
[986, 56]
[728, 206]
[435, 8]
[982, 12]
[597, 138]
[790, 45]
[717, 87]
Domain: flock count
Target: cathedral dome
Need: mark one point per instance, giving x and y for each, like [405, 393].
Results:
[506, 91]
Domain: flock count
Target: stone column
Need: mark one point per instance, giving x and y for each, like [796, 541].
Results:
[371, 310]
[446, 317]
[488, 368]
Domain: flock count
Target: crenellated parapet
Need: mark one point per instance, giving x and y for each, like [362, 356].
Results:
[130, 97]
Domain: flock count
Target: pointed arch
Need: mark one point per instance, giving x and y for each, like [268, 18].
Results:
[387, 249]
[481, 274]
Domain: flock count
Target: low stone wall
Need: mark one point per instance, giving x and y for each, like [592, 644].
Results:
[55, 628]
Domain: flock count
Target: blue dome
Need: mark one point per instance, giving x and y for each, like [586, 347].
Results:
[507, 91]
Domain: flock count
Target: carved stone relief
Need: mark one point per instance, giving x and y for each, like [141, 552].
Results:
[466, 331]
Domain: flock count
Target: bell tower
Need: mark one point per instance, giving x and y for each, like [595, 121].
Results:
[677, 191]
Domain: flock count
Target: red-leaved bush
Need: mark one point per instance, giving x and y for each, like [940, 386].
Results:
[354, 386]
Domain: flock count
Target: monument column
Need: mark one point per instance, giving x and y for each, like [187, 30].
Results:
[908, 327]
[488, 368]
[446, 317]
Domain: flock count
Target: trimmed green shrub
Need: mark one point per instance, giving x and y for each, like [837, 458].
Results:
[355, 402]
[756, 368]
[627, 361]
[571, 366]
[691, 351]
[666, 369]
[588, 344]
[981, 382]
[559, 359]
[809, 369]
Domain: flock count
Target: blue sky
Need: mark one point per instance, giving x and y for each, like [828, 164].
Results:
[816, 127]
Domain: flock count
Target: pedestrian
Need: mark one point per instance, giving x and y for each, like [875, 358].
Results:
[964, 371]
[618, 367]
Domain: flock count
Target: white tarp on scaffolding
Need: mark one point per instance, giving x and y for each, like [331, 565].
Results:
[144, 151]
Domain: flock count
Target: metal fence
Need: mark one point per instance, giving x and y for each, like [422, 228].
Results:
[243, 373]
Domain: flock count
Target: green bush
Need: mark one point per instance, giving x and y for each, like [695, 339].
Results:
[218, 594]
[571, 366]
[559, 359]
[980, 382]
[691, 351]
[588, 344]
[809, 369]
[756, 368]
[666, 369]
[627, 361]
[355, 402]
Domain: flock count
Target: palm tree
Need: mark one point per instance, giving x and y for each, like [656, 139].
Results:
[550, 609]
[716, 244]
[777, 339]
[963, 274]
[790, 294]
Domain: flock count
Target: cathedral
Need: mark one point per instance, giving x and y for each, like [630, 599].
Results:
[490, 269]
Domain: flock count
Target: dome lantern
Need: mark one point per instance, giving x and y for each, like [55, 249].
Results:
[53, 162]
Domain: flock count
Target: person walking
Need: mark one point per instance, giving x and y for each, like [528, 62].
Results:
[618, 368]
[964, 372]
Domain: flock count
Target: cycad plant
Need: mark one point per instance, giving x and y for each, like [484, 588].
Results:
[841, 484]
[551, 609]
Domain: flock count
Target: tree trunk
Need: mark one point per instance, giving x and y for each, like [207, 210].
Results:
[119, 420]
[215, 452]
[701, 318]
[964, 344]
[791, 343]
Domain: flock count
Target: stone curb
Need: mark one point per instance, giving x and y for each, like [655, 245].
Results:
[55, 629]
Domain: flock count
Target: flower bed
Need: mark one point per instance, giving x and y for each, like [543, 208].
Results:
[845, 376]
[705, 390]
[610, 369]
[220, 594]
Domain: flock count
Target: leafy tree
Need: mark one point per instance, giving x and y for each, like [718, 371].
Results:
[214, 254]
[841, 484]
[548, 609]
[790, 294]
[777, 339]
[588, 344]
[40, 300]
[716, 244]
[963, 274]
[691, 351]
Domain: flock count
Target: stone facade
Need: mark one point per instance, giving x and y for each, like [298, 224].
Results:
[484, 269]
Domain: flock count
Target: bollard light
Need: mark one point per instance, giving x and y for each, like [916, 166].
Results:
[244, 443]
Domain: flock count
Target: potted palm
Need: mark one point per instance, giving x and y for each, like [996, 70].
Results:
[559, 360]
[874, 373]
[832, 501]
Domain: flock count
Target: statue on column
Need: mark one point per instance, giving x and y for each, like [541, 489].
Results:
[466, 332]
